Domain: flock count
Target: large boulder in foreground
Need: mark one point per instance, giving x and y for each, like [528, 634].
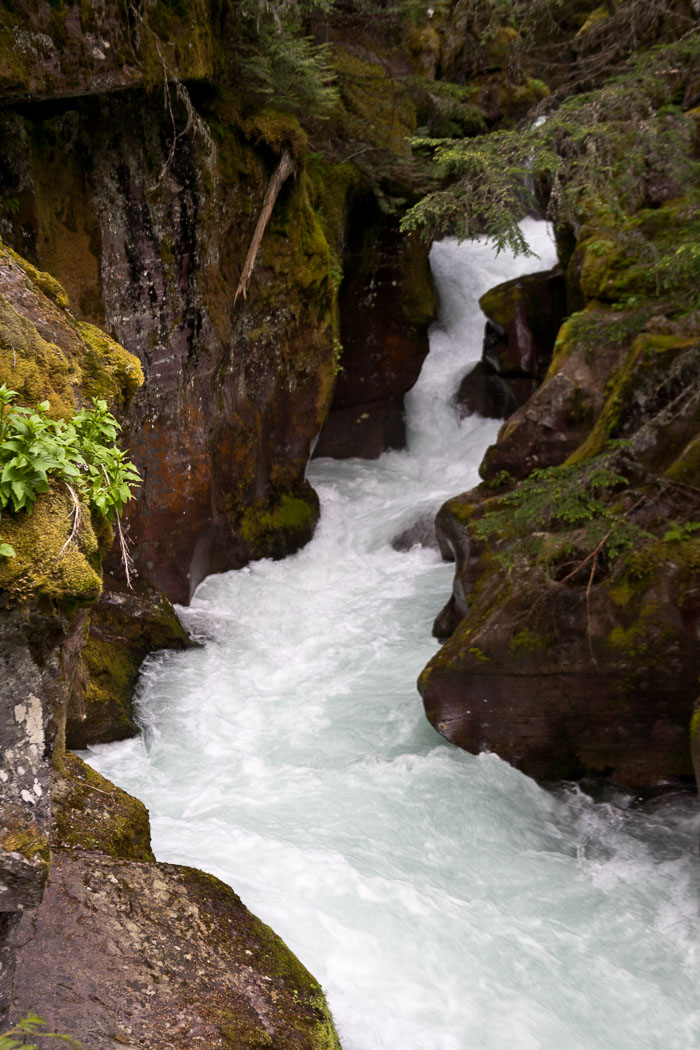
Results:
[123, 953]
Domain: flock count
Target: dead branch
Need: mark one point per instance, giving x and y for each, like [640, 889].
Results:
[280, 175]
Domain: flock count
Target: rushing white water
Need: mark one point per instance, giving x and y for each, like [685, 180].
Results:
[444, 900]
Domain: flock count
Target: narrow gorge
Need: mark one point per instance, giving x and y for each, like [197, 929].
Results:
[362, 462]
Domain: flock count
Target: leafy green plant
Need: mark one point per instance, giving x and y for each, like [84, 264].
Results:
[32, 1027]
[677, 531]
[81, 452]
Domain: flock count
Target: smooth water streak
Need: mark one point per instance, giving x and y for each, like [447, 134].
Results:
[444, 900]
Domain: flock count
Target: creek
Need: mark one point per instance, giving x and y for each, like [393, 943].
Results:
[444, 900]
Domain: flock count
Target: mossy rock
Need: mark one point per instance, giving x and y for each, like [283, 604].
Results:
[659, 367]
[38, 369]
[48, 563]
[88, 812]
[274, 528]
[25, 857]
[45, 354]
[686, 468]
[108, 370]
[125, 626]
[608, 270]
[647, 256]
[613, 667]
[277, 129]
[51, 50]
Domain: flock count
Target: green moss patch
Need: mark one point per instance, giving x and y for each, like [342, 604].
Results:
[46, 563]
[108, 370]
[90, 813]
[274, 529]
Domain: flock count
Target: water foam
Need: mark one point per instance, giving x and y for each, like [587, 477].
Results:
[444, 900]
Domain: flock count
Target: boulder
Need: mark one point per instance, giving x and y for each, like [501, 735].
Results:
[565, 664]
[484, 392]
[523, 318]
[591, 345]
[134, 954]
[125, 625]
[420, 534]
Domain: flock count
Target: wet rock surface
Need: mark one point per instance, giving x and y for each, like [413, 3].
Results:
[523, 318]
[420, 534]
[88, 812]
[572, 634]
[126, 624]
[386, 303]
[573, 630]
[156, 955]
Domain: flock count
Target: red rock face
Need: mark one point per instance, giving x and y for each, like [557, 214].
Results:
[234, 394]
[160, 955]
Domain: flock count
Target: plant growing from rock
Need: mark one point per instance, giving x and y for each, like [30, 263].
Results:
[80, 452]
[580, 500]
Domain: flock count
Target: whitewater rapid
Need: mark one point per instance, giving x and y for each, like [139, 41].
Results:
[444, 900]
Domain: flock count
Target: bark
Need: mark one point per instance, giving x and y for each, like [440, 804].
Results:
[282, 172]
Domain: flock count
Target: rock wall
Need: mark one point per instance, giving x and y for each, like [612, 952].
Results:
[83, 940]
[233, 394]
[573, 629]
[133, 169]
[135, 172]
[46, 589]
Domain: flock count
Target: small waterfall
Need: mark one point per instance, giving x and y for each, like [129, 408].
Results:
[444, 900]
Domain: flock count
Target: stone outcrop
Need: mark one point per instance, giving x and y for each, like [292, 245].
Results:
[572, 635]
[150, 246]
[125, 625]
[523, 317]
[165, 956]
[564, 672]
[104, 943]
[94, 48]
[143, 204]
[47, 587]
[386, 304]
[88, 812]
